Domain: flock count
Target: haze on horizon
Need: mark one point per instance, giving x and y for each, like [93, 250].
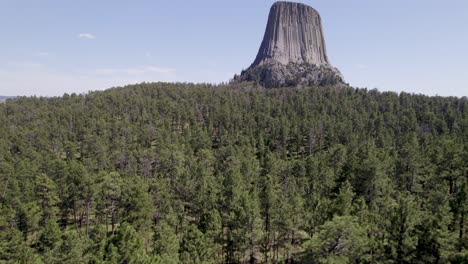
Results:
[54, 47]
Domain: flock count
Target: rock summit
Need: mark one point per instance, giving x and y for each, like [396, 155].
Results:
[293, 51]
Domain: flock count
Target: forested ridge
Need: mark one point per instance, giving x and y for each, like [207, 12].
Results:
[185, 173]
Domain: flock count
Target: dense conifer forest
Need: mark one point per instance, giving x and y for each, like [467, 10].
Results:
[184, 173]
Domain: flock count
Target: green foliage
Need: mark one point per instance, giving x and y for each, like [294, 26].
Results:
[185, 173]
[341, 240]
[129, 245]
[166, 243]
[13, 249]
[196, 247]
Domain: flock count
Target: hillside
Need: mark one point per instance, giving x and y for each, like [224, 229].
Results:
[184, 173]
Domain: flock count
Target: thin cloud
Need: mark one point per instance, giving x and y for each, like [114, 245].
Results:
[135, 71]
[42, 54]
[86, 36]
[361, 66]
[25, 64]
[46, 81]
[160, 70]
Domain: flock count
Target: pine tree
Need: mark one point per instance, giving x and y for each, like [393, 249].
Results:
[166, 243]
[341, 240]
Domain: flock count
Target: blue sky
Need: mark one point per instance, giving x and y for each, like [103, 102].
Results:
[51, 47]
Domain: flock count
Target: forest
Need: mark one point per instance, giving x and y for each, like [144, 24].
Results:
[234, 173]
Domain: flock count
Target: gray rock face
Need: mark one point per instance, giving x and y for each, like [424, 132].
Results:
[293, 51]
[293, 34]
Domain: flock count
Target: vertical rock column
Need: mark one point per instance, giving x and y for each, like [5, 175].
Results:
[293, 50]
[293, 34]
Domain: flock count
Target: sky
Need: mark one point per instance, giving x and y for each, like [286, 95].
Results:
[52, 47]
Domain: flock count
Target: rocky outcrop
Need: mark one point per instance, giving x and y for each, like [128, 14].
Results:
[274, 74]
[293, 50]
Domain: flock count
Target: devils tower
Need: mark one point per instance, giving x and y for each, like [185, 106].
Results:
[293, 51]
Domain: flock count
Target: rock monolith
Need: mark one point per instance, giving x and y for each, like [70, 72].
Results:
[293, 51]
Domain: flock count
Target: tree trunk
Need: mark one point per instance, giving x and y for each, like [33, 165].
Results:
[311, 142]
[75, 220]
[88, 204]
[267, 234]
[461, 231]
[450, 185]
[400, 242]
[4, 191]
[113, 221]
